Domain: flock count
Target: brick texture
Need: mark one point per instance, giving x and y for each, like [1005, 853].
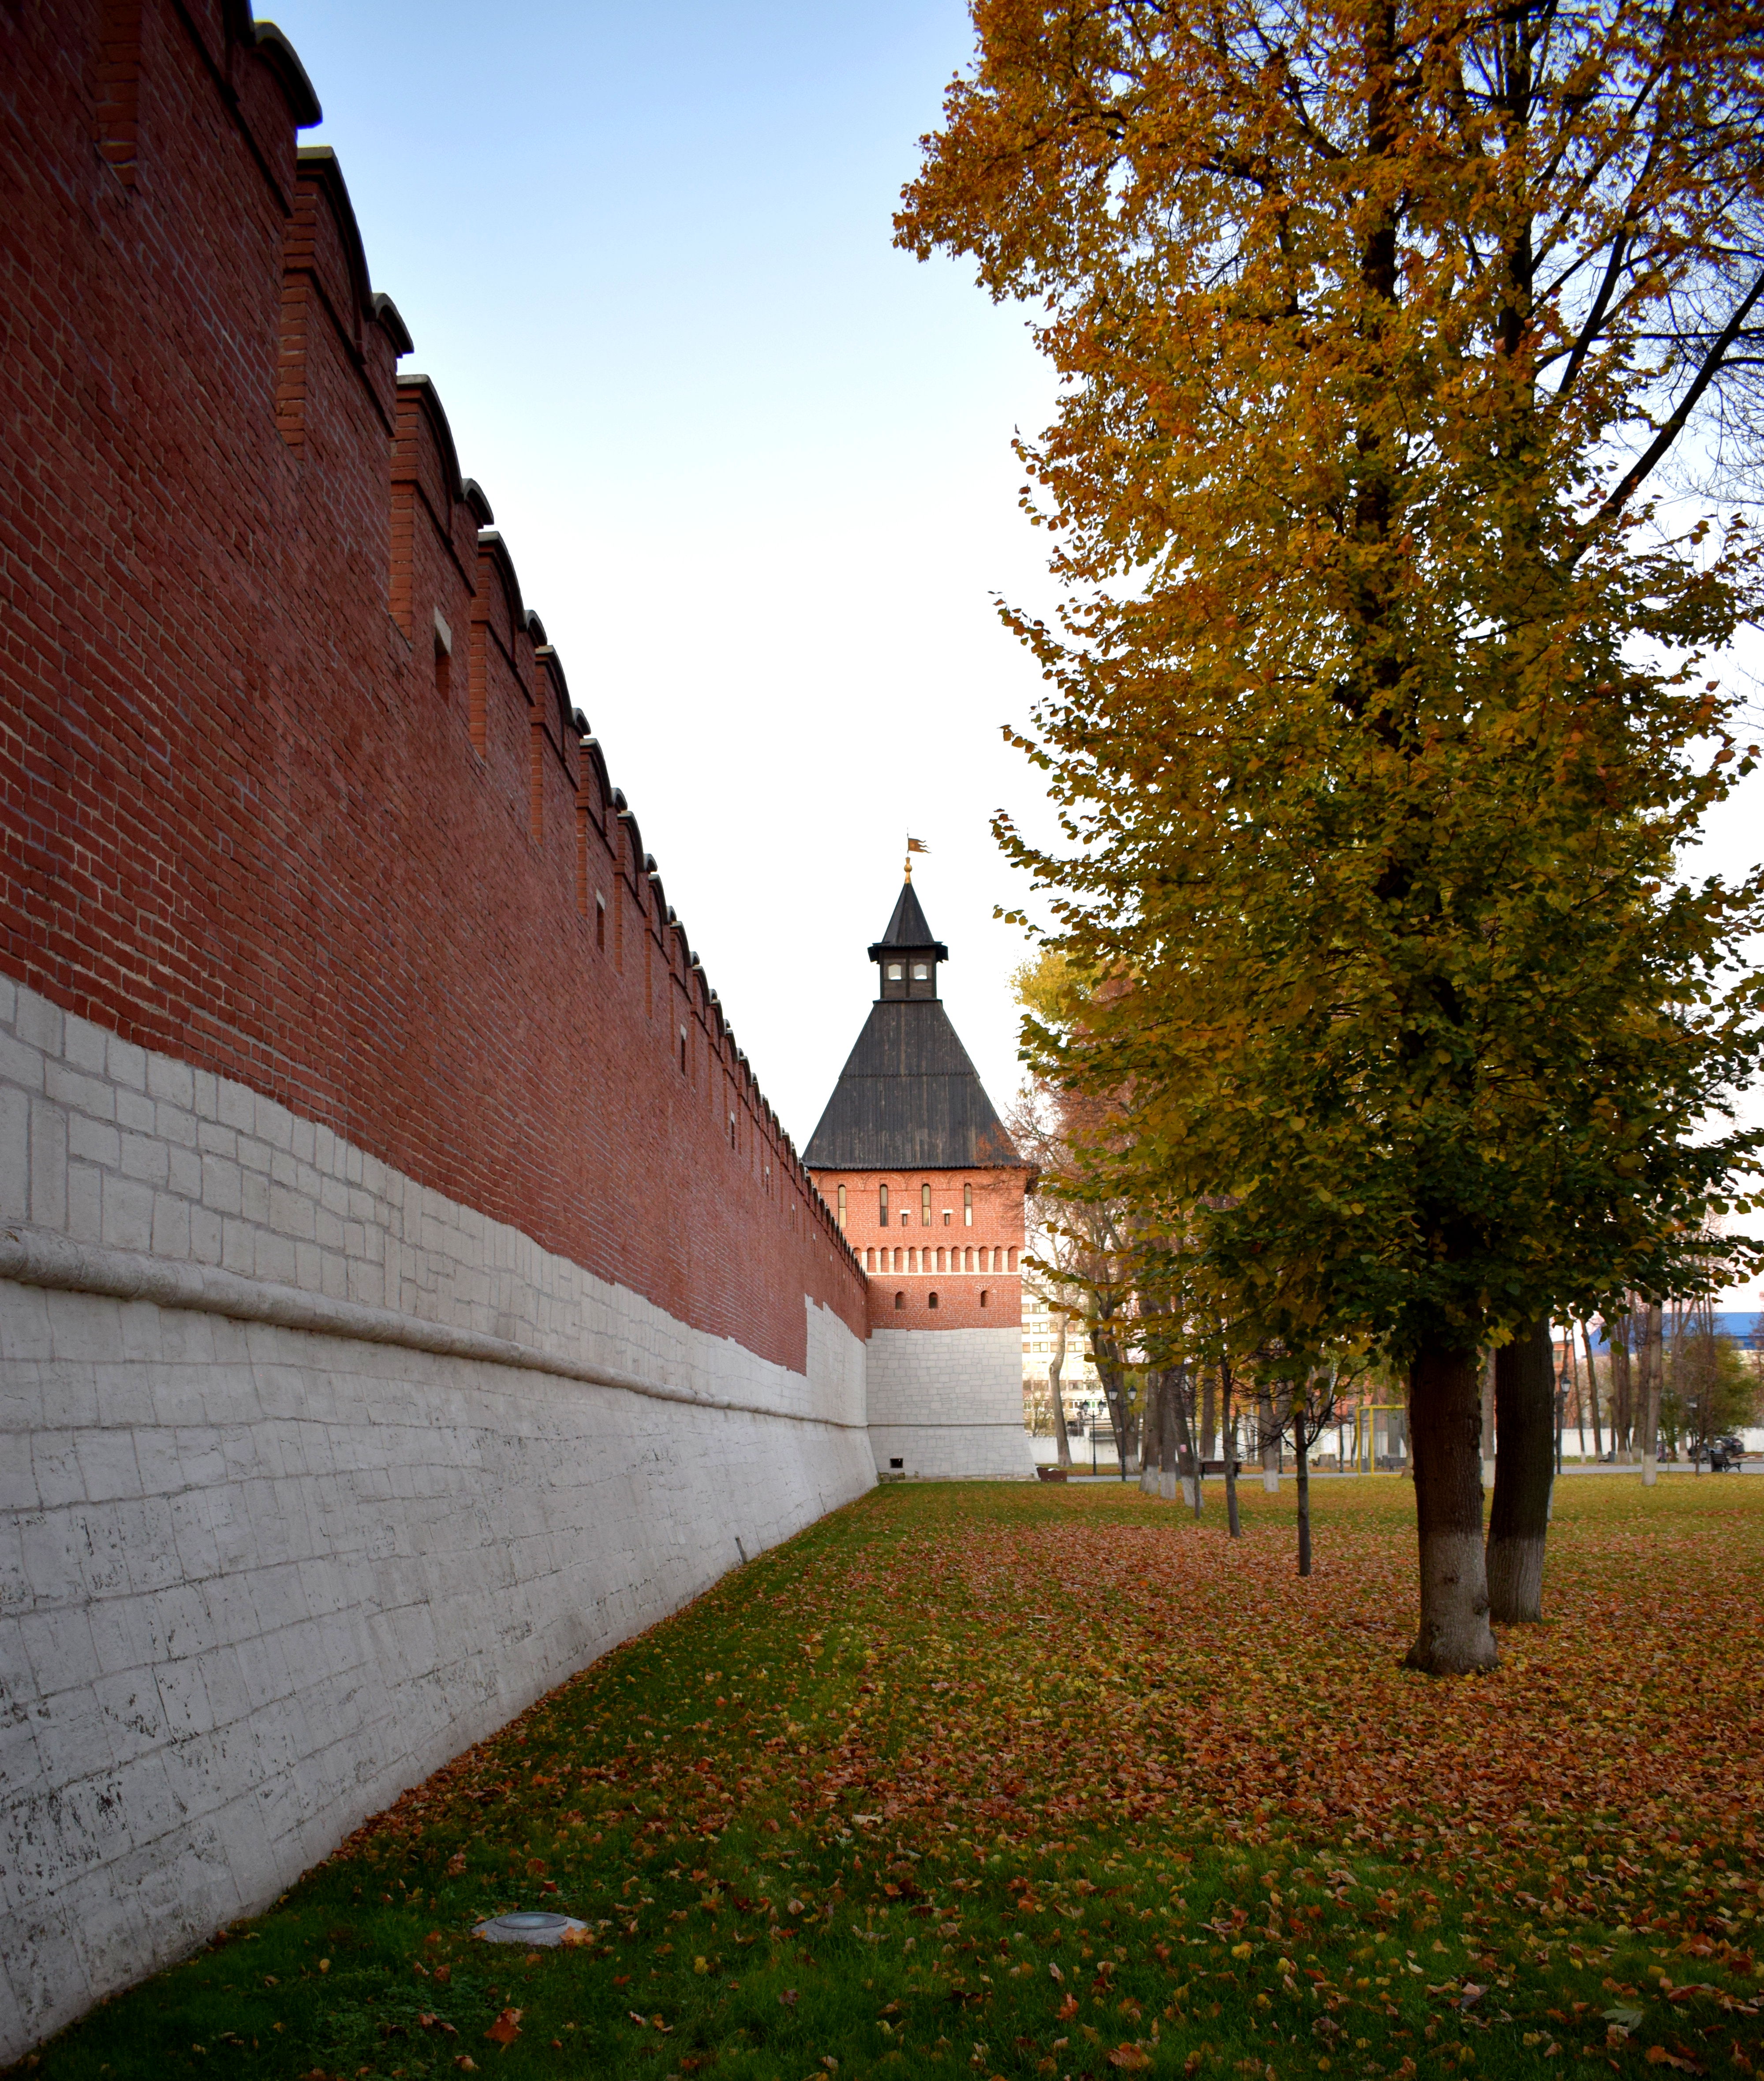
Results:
[957, 1258]
[258, 815]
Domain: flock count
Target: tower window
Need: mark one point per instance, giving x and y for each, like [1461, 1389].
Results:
[905, 1216]
[920, 971]
[924, 1205]
[600, 923]
[967, 1206]
[900, 1300]
[985, 1298]
[841, 1206]
[932, 1301]
[682, 1051]
[946, 1217]
[882, 1203]
[894, 971]
[732, 1130]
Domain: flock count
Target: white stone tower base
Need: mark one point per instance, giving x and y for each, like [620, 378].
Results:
[948, 1405]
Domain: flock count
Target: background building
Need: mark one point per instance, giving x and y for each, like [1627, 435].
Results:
[1079, 1383]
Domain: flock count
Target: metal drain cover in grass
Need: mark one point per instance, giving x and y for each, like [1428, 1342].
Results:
[530, 1927]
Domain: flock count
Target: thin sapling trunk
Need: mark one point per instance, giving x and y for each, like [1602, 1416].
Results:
[1185, 1440]
[1228, 1426]
[1652, 1368]
[1617, 1343]
[1592, 1393]
[1488, 1421]
[1062, 1443]
[1151, 1456]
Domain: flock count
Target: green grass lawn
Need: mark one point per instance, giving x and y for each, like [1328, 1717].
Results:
[1032, 1781]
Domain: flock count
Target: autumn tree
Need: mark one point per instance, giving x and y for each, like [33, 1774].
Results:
[1376, 711]
[1053, 1264]
[1710, 1391]
[1085, 1237]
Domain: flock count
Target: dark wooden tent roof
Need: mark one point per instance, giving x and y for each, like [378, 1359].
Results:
[908, 932]
[909, 1098]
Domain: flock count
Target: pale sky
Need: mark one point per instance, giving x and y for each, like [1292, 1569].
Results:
[754, 465]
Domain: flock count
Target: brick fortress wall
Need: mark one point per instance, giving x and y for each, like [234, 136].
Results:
[396, 1253]
[291, 788]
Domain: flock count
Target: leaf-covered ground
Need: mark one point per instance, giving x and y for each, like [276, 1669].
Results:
[1021, 1780]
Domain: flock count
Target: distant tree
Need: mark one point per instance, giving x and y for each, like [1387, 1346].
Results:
[1048, 1260]
[1711, 1392]
[1592, 1392]
[1302, 1408]
[1376, 714]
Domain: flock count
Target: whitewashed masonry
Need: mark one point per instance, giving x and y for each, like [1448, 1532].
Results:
[310, 1477]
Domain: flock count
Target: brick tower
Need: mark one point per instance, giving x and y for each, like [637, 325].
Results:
[914, 1159]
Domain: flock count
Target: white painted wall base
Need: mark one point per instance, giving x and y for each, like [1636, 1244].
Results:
[357, 1477]
[948, 1404]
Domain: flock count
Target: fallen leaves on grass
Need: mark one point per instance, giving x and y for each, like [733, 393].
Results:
[505, 2029]
[960, 1725]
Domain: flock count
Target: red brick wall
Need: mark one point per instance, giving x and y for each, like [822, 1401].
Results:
[996, 1229]
[255, 814]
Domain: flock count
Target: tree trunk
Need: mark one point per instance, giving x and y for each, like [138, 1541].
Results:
[1653, 1369]
[1229, 1428]
[1524, 1469]
[1209, 1418]
[1169, 1444]
[1488, 1422]
[1056, 1366]
[1445, 1424]
[1151, 1475]
[1108, 1367]
[1617, 1342]
[1270, 1444]
[1184, 1433]
[1592, 1393]
[1302, 1453]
